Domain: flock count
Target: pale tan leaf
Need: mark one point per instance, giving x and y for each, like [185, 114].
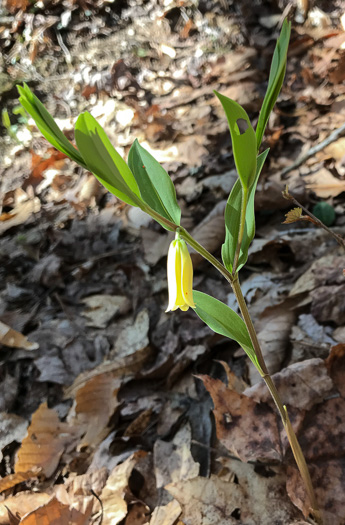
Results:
[113, 494]
[20, 214]
[102, 308]
[166, 514]
[95, 403]
[44, 444]
[207, 501]
[14, 339]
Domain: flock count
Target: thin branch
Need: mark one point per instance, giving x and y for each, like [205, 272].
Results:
[319, 147]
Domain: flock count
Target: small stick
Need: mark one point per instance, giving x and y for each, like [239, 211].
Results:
[331, 138]
[313, 219]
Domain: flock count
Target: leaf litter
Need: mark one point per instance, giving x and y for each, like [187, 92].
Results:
[127, 425]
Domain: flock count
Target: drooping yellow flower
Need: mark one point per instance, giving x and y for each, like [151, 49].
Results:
[180, 276]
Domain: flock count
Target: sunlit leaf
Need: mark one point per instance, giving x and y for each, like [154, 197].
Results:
[104, 161]
[276, 78]
[47, 125]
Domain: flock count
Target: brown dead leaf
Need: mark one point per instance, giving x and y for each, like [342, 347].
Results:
[54, 513]
[166, 514]
[115, 490]
[336, 367]
[15, 479]
[328, 304]
[300, 385]
[264, 490]
[207, 501]
[95, 403]
[246, 428]
[20, 214]
[102, 308]
[14, 339]
[138, 514]
[22, 504]
[44, 444]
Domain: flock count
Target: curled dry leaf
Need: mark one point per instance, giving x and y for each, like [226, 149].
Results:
[95, 403]
[116, 488]
[246, 428]
[14, 339]
[44, 444]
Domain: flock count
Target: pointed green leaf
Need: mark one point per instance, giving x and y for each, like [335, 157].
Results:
[47, 125]
[243, 139]
[275, 81]
[249, 230]
[104, 161]
[233, 219]
[156, 187]
[222, 320]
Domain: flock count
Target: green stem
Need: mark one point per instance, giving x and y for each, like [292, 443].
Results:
[242, 225]
[295, 447]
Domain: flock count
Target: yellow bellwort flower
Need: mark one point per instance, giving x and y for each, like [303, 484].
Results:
[180, 276]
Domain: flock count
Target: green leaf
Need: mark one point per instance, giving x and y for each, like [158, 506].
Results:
[243, 139]
[47, 125]
[249, 230]
[324, 212]
[104, 161]
[222, 320]
[275, 81]
[233, 219]
[156, 187]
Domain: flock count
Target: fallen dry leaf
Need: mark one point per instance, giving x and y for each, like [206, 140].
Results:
[300, 385]
[14, 339]
[273, 329]
[20, 214]
[115, 490]
[54, 513]
[246, 428]
[44, 444]
[166, 514]
[95, 403]
[101, 309]
[336, 364]
[324, 184]
[207, 501]
[181, 465]
[22, 504]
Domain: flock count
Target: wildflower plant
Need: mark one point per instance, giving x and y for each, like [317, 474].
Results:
[142, 182]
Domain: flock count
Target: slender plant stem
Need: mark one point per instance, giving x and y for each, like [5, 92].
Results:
[296, 449]
[242, 225]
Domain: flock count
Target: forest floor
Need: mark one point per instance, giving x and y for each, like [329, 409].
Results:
[111, 410]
